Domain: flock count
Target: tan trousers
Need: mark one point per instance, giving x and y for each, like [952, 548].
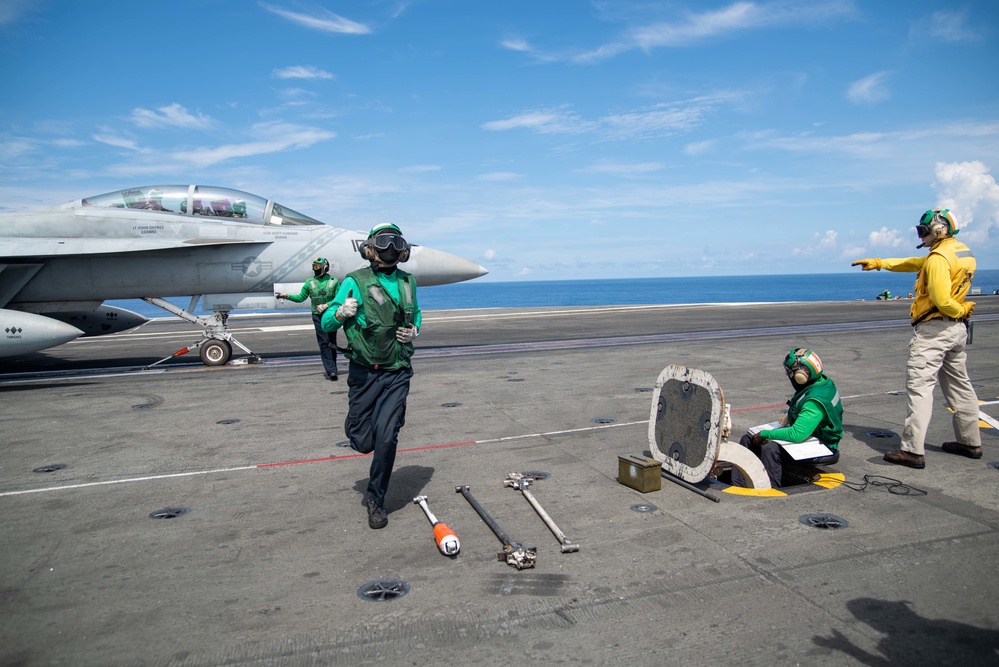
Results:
[936, 352]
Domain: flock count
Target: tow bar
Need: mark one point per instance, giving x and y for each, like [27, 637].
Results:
[514, 554]
[522, 481]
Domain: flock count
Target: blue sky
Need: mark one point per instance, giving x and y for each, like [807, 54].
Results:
[544, 140]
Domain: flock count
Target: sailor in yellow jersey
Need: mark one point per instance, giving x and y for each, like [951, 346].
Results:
[939, 336]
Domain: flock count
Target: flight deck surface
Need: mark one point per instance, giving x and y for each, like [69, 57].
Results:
[266, 565]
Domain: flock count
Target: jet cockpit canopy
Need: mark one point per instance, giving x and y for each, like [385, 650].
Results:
[198, 200]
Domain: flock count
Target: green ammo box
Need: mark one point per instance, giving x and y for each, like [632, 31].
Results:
[640, 473]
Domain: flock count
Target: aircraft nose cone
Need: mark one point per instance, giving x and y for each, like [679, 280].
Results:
[436, 267]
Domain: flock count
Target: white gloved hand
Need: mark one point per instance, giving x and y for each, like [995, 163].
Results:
[348, 309]
[321, 308]
[405, 334]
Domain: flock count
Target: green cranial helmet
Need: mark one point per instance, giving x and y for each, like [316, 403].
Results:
[802, 365]
[320, 266]
[381, 227]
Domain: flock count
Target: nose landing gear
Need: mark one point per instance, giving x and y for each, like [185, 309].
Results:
[215, 346]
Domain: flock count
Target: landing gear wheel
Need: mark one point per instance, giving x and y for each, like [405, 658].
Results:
[216, 352]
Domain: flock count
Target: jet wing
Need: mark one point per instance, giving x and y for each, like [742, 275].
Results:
[61, 247]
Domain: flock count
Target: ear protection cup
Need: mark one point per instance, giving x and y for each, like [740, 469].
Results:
[404, 255]
[800, 374]
[367, 252]
[951, 223]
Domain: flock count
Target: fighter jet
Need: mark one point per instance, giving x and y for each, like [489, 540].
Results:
[227, 248]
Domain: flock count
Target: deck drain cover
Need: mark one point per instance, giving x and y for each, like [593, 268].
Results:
[643, 508]
[228, 421]
[994, 465]
[643, 390]
[343, 443]
[50, 468]
[827, 521]
[450, 405]
[169, 512]
[536, 474]
[515, 379]
[603, 420]
[895, 393]
[382, 590]
[882, 434]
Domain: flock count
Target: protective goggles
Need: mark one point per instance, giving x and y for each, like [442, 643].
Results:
[929, 219]
[384, 241]
[318, 265]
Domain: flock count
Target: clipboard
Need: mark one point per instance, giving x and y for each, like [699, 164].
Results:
[799, 451]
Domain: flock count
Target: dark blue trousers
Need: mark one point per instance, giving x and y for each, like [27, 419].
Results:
[327, 345]
[376, 412]
[769, 454]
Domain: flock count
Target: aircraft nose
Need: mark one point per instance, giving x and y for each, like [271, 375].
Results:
[436, 267]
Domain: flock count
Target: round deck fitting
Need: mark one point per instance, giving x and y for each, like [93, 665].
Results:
[825, 521]
[535, 474]
[342, 443]
[994, 465]
[603, 420]
[450, 405]
[882, 434]
[383, 590]
[228, 421]
[169, 512]
[643, 508]
[643, 390]
[50, 468]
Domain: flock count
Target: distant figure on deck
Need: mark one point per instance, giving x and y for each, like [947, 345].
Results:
[815, 410]
[320, 290]
[939, 336]
[884, 296]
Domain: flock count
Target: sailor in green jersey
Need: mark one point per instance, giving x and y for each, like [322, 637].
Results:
[814, 410]
[320, 289]
[380, 315]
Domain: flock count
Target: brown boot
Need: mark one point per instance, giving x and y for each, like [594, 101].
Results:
[962, 450]
[904, 458]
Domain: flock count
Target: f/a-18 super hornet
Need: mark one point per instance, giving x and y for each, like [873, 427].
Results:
[224, 247]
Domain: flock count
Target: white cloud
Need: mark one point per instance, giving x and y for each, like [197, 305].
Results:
[972, 194]
[699, 147]
[623, 169]
[325, 21]
[420, 169]
[869, 90]
[498, 176]
[952, 26]
[554, 121]
[11, 11]
[173, 115]
[653, 121]
[301, 72]
[516, 44]
[273, 138]
[695, 28]
[107, 136]
[886, 238]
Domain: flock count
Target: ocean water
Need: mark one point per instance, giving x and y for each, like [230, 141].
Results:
[624, 291]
